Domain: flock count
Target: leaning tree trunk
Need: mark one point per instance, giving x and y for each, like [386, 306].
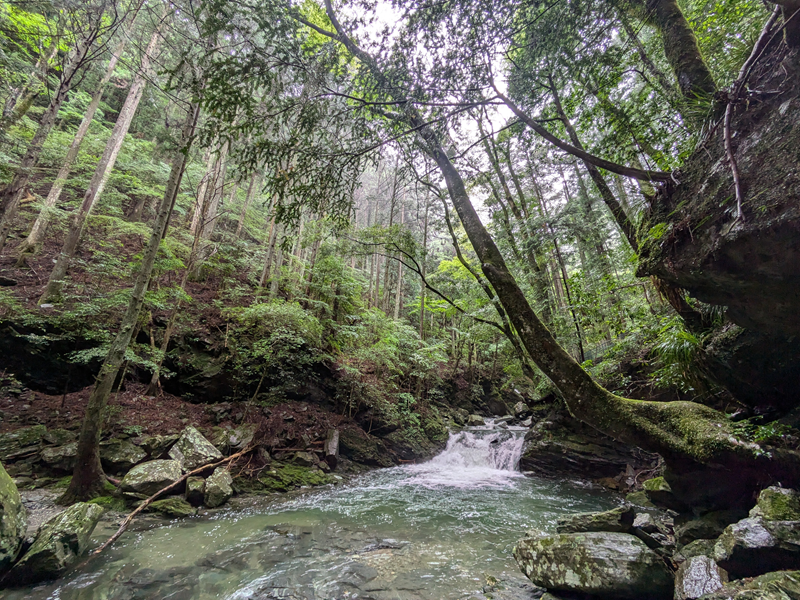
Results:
[21, 102]
[39, 227]
[14, 191]
[77, 222]
[88, 477]
[691, 435]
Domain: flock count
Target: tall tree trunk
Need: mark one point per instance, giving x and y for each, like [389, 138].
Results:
[424, 263]
[36, 235]
[20, 102]
[399, 291]
[14, 191]
[102, 172]
[251, 192]
[88, 477]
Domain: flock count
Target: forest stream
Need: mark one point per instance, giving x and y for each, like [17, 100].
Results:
[437, 530]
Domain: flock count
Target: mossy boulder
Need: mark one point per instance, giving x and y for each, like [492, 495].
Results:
[59, 437]
[233, 439]
[783, 585]
[13, 520]
[195, 490]
[697, 576]
[285, 477]
[218, 488]
[475, 421]
[618, 519]
[304, 459]
[639, 499]
[754, 546]
[698, 548]
[120, 455]
[777, 504]
[110, 503]
[150, 477]
[616, 565]
[192, 450]
[59, 543]
[21, 440]
[60, 458]
[707, 526]
[173, 507]
[659, 492]
[157, 446]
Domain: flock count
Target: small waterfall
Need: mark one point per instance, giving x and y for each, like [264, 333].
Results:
[475, 457]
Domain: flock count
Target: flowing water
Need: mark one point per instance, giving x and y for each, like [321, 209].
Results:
[432, 531]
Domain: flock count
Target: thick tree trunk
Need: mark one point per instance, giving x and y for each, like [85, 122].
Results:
[36, 235]
[77, 222]
[88, 478]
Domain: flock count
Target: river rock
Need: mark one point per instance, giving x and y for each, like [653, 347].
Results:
[229, 440]
[363, 448]
[192, 450]
[460, 416]
[58, 544]
[150, 477]
[13, 520]
[120, 455]
[697, 576]
[660, 493]
[173, 506]
[156, 446]
[783, 585]
[475, 421]
[777, 504]
[59, 437]
[706, 527]
[303, 459]
[21, 440]
[195, 490]
[616, 565]
[60, 458]
[521, 409]
[218, 488]
[754, 546]
[698, 548]
[617, 519]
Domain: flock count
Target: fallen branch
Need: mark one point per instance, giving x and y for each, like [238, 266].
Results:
[155, 496]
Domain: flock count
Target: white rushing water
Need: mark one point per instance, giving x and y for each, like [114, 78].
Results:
[432, 531]
[476, 457]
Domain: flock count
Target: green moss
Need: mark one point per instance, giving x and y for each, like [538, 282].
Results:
[109, 487]
[285, 477]
[63, 483]
[657, 484]
[110, 503]
[172, 507]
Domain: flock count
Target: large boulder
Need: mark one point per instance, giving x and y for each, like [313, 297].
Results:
[150, 477]
[783, 585]
[659, 492]
[192, 450]
[218, 489]
[60, 458]
[21, 441]
[707, 526]
[754, 546]
[13, 520]
[475, 421]
[229, 440]
[156, 446]
[521, 409]
[618, 519]
[616, 565]
[195, 490]
[58, 544]
[174, 506]
[697, 576]
[120, 455]
[777, 504]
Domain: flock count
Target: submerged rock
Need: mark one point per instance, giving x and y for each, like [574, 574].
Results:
[13, 520]
[192, 450]
[616, 565]
[784, 585]
[619, 519]
[697, 576]
[150, 477]
[218, 488]
[754, 546]
[58, 544]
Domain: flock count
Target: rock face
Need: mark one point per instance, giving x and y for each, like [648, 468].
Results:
[15, 442]
[150, 477]
[218, 488]
[784, 585]
[754, 546]
[120, 455]
[58, 544]
[192, 450]
[619, 519]
[616, 565]
[13, 520]
[697, 576]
